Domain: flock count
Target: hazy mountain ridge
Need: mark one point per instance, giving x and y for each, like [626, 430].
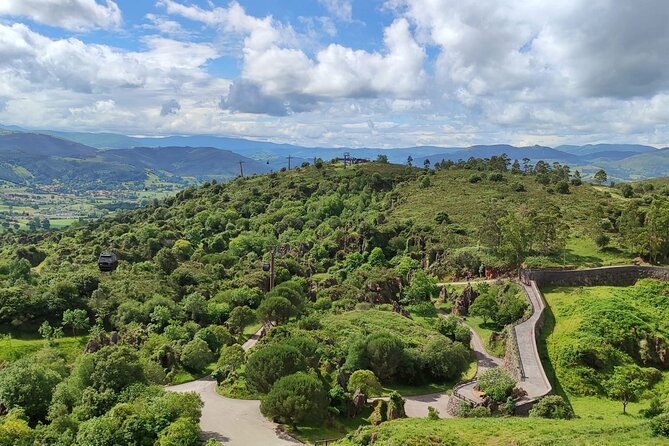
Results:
[213, 156]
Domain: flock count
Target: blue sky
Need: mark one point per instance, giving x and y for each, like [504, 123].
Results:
[341, 72]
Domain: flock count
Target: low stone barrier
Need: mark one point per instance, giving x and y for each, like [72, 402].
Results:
[608, 275]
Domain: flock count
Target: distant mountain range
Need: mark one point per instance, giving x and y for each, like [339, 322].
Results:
[45, 156]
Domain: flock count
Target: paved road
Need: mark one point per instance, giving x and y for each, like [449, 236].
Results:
[484, 361]
[234, 422]
[471, 282]
[536, 383]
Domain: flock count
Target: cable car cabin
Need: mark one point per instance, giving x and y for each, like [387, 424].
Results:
[108, 261]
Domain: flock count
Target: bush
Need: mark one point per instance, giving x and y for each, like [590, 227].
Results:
[366, 381]
[196, 355]
[296, 398]
[385, 353]
[432, 413]
[475, 179]
[552, 406]
[496, 383]
[269, 364]
[660, 425]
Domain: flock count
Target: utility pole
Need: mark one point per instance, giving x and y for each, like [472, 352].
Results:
[271, 270]
[241, 169]
[289, 158]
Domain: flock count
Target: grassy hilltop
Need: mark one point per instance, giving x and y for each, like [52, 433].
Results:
[192, 285]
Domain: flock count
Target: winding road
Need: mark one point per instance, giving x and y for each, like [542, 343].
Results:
[234, 422]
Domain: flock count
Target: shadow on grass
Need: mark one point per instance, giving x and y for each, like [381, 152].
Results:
[546, 331]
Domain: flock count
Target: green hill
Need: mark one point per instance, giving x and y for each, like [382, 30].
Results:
[349, 243]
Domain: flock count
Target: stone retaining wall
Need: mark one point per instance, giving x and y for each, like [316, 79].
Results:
[610, 275]
[512, 362]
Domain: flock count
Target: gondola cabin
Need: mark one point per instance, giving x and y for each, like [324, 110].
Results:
[108, 261]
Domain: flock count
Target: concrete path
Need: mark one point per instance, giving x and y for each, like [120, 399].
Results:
[234, 422]
[484, 361]
[471, 282]
[535, 382]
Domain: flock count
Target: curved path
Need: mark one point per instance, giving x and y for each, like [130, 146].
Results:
[231, 421]
[534, 380]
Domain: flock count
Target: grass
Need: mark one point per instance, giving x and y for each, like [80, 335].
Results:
[250, 330]
[22, 344]
[508, 431]
[184, 376]
[331, 429]
[485, 330]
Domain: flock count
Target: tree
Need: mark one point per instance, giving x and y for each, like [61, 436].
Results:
[49, 333]
[377, 257]
[626, 384]
[366, 381]
[426, 164]
[485, 306]
[28, 385]
[239, 318]
[265, 366]
[77, 319]
[421, 289]
[409, 160]
[195, 304]
[383, 159]
[166, 260]
[116, 367]
[275, 310]
[516, 235]
[231, 358]
[496, 383]
[600, 176]
[196, 355]
[182, 432]
[445, 360]
[385, 354]
[295, 398]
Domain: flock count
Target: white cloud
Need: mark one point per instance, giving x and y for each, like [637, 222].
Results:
[341, 9]
[279, 67]
[75, 15]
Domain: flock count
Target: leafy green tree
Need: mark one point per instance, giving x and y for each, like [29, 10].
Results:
[295, 398]
[366, 381]
[383, 159]
[626, 384]
[496, 383]
[99, 431]
[485, 306]
[196, 355]
[275, 310]
[166, 260]
[182, 432]
[116, 367]
[239, 318]
[377, 257]
[29, 386]
[77, 319]
[409, 160]
[422, 288]
[265, 366]
[15, 431]
[445, 359]
[231, 358]
[385, 353]
[196, 305]
[600, 176]
[516, 236]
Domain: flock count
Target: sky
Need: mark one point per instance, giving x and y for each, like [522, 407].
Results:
[355, 73]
